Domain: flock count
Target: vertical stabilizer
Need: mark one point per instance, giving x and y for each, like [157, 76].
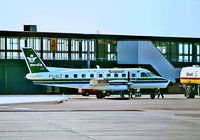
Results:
[34, 63]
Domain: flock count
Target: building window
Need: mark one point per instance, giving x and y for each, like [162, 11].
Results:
[66, 76]
[106, 50]
[180, 48]
[83, 75]
[185, 52]
[198, 51]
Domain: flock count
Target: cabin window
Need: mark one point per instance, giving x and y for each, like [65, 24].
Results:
[83, 75]
[143, 74]
[108, 75]
[115, 75]
[66, 76]
[75, 75]
[123, 75]
[91, 75]
[100, 75]
[133, 74]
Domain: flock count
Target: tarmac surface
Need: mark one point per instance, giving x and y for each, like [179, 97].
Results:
[88, 118]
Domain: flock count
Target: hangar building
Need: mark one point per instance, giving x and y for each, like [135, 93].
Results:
[162, 55]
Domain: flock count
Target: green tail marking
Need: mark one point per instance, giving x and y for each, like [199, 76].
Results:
[33, 62]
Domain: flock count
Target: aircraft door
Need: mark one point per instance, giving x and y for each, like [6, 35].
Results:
[133, 76]
[138, 74]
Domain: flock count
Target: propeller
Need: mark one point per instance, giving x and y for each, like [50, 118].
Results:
[129, 84]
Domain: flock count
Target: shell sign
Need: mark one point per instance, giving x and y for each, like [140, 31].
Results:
[196, 74]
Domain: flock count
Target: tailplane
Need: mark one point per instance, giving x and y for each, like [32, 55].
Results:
[34, 63]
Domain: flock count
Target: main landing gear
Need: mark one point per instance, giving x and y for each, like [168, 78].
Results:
[102, 94]
[152, 92]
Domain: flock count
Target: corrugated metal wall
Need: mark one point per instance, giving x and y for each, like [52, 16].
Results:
[12, 81]
[12, 73]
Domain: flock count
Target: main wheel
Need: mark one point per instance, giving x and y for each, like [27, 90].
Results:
[152, 95]
[99, 95]
[190, 92]
[104, 95]
[108, 93]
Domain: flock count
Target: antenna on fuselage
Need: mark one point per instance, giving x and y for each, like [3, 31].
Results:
[97, 66]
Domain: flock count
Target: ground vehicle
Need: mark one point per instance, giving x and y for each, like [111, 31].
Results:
[87, 92]
[190, 78]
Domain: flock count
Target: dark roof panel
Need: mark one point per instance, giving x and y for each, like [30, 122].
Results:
[92, 36]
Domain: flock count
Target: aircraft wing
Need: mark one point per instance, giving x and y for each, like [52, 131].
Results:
[77, 86]
[95, 84]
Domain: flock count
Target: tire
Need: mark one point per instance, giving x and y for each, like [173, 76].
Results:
[190, 92]
[104, 95]
[83, 94]
[152, 95]
[99, 96]
[87, 93]
[122, 95]
[108, 93]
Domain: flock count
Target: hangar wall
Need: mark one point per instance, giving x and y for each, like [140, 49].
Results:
[12, 79]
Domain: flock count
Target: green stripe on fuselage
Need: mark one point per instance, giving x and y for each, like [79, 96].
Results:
[88, 79]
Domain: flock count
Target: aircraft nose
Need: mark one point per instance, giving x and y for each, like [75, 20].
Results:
[27, 76]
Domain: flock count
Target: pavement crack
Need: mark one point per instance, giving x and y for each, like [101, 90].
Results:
[70, 129]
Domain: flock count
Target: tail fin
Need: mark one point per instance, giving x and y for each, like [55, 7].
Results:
[34, 63]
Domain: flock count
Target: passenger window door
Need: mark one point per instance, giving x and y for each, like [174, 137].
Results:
[133, 75]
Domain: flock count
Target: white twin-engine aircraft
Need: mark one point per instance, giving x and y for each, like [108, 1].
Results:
[103, 80]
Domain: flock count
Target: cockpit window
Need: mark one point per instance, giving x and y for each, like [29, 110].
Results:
[150, 74]
[143, 74]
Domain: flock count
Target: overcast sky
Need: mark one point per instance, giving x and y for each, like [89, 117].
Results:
[133, 17]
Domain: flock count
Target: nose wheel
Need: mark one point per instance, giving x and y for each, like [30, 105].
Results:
[153, 93]
[100, 95]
